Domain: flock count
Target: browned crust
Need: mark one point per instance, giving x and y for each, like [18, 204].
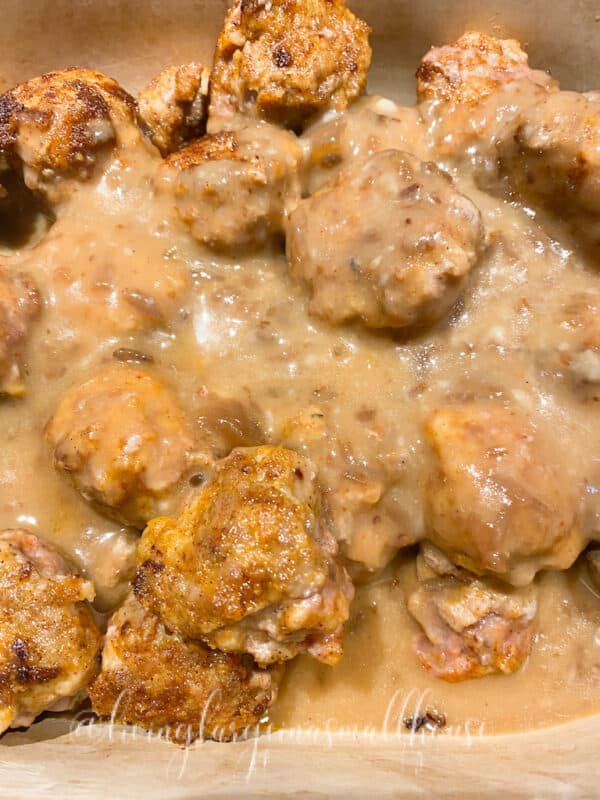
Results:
[242, 543]
[62, 105]
[223, 145]
[153, 678]
[272, 58]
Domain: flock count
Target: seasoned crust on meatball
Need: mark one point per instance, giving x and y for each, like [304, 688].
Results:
[220, 146]
[126, 444]
[48, 638]
[390, 242]
[286, 60]
[472, 68]
[554, 155]
[59, 124]
[172, 108]
[249, 566]
[153, 678]
[19, 305]
[234, 189]
[475, 89]
[471, 628]
[500, 499]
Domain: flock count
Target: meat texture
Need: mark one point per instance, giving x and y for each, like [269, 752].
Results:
[501, 500]
[249, 566]
[372, 508]
[172, 108]
[473, 91]
[472, 627]
[554, 156]
[286, 60]
[60, 125]
[369, 125]
[129, 448]
[183, 690]
[234, 189]
[49, 640]
[389, 243]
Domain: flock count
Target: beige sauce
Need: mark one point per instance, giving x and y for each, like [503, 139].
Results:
[242, 328]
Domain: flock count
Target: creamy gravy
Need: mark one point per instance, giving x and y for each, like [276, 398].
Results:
[119, 270]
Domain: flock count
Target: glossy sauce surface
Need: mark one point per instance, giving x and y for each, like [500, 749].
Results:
[118, 269]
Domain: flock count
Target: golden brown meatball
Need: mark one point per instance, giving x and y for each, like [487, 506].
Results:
[249, 566]
[60, 124]
[389, 243]
[474, 89]
[234, 189]
[554, 156]
[172, 108]
[153, 678]
[471, 627]
[501, 499]
[286, 60]
[48, 638]
[129, 448]
[19, 304]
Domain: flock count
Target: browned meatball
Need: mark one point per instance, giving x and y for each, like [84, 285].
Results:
[19, 304]
[48, 638]
[389, 243]
[471, 627]
[250, 565]
[474, 90]
[554, 156]
[153, 678]
[60, 124]
[172, 108]
[234, 189]
[501, 498]
[129, 448]
[286, 60]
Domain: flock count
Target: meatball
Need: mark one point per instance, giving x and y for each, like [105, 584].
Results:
[501, 499]
[471, 628]
[286, 60]
[129, 448]
[368, 126]
[60, 124]
[172, 108]
[19, 304]
[554, 155]
[404, 262]
[474, 90]
[49, 641]
[250, 565]
[369, 502]
[153, 678]
[234, 189]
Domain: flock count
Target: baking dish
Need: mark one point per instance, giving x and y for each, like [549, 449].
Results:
[132, 41]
